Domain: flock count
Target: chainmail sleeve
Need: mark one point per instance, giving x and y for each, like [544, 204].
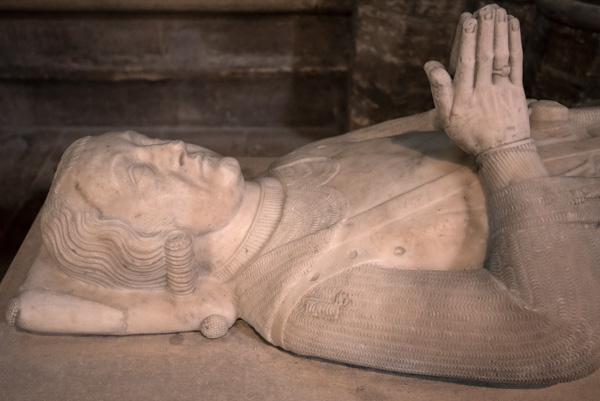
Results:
[531, 315]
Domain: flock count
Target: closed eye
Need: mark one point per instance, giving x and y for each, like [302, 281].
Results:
[138, 173]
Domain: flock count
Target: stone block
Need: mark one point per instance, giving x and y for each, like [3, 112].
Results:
[567, 67]
[392, 42]
[179, 5]
[170, 46]
[257, 100]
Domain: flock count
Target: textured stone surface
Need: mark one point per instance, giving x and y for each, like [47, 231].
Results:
[567, 63]
[24, 183]
[578, 14]
[256, 101]
[178, 5]
[392, 42]
[171, 46]
[202, 70]
[394, 39]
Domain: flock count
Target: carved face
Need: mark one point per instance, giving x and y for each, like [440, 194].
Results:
[155, 184]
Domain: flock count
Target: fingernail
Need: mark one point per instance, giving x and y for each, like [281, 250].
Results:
[488, 13]
[514, 24]
[470, 25]
[501, 16]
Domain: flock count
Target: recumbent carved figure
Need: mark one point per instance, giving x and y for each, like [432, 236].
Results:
[372, 248]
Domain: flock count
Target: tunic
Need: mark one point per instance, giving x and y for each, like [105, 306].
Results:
[528, 313]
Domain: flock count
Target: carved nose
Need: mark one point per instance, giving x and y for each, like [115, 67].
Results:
[175, 151]
[177, 146]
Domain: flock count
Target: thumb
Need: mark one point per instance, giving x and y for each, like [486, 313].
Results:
[441, 89]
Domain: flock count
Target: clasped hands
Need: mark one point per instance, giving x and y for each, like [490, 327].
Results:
[484, 105]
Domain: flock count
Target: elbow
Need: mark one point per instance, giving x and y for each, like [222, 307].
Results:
[569, 352]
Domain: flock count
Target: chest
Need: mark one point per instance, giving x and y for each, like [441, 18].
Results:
[415, 203]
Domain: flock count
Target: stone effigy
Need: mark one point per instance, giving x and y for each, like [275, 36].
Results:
[471, 253]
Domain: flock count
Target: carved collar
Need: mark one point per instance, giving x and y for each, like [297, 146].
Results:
[268, 216]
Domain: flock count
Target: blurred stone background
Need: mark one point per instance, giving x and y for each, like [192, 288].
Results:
[251, 78]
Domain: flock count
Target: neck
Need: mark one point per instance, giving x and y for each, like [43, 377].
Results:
[215, 248]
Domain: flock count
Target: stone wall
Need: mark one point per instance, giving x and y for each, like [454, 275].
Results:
[315, 66]
[180, 5]
[203, 71]
[393, 39]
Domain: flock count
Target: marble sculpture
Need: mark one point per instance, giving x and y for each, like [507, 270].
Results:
[462, 242]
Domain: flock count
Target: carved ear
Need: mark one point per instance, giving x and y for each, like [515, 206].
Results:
[179, 257]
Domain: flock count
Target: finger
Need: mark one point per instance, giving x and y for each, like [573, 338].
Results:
[515, 51]
[501, 54]
[454, 53]
[441, 89]
[494, 6]
[465, 67]
[485, 47]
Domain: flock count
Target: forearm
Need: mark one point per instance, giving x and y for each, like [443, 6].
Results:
[511, 163]
[531, 317]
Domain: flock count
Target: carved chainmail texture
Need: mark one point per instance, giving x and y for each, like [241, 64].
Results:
[311, 214]
[533, 316]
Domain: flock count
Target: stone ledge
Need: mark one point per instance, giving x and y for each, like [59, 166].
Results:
[179, 5]
[175, 46]
[577, 14]
[268, 101]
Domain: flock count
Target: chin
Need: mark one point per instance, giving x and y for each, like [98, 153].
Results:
[228, 201]
[230, 171]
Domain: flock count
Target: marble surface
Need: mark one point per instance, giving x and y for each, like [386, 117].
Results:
[186, 366]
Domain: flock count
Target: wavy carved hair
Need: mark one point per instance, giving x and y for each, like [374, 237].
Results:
[91, 248]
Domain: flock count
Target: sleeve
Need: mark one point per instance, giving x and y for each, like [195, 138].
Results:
[531, 316]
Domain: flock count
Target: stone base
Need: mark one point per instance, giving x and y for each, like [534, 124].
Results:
[187, 366]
